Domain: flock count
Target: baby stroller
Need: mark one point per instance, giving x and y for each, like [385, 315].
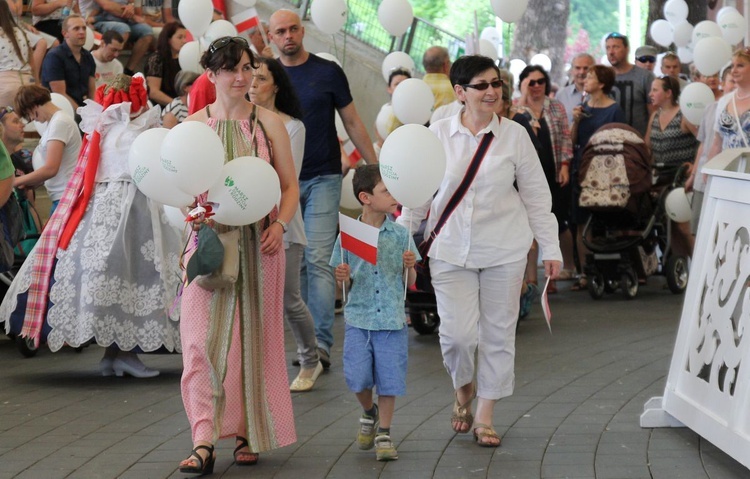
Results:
[628, 232]
[421, 305]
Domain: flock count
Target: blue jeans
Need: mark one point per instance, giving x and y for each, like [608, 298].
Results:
[319, 201]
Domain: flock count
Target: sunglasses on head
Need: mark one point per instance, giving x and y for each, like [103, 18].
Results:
[5, 110]
[541, 81]
[647, 59]
[615, 35]
[484, 86]
[220, 43]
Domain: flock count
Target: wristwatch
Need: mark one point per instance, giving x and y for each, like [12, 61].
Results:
[282, 223]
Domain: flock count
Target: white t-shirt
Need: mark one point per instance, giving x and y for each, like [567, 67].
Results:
[63, 128]
[9, 61]
[106, 72]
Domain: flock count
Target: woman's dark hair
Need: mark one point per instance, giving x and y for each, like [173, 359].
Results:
[8, 25]
[469, 66]
[366, 178]
[536, 68]
[669, 83]
[398, 72]
[228, 56]
[30, 97]
[162, 44]
[606, 77]
[286, 100]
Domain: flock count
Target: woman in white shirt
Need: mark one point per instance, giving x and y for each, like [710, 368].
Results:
[58, 148]
[478, 259]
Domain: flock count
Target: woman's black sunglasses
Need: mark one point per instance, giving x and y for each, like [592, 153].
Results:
[484, 86]
[224, 41]
[541, 81]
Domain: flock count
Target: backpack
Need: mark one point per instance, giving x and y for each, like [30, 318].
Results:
[11, 231]
[31, 227]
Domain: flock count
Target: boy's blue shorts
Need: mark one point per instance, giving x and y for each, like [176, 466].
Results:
[376, 358]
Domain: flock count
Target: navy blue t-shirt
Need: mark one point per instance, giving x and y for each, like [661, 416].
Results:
[60, 64]
[322, 88]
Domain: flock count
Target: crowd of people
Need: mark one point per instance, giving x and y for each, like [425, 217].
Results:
[107, 266]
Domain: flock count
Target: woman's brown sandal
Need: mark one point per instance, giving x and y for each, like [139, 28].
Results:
[203, 466]
[244, 462]
[461, 415]
[487, 433]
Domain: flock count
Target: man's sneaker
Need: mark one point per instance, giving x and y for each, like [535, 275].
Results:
[325, 358]
[384, 448]
[368, 426]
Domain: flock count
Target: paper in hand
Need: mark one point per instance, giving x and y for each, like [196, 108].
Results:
[545, 306]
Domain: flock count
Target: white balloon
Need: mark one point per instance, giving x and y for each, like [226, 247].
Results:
[328, 15]
[677, 205]
[196, 15]
[722, 11]
[174, 217]
[396, 16]
[685, 54]
[329, 57]
[675, 11]
[218, 29]
[144, 164]
[412, 164]
[190, 57]
[192, 155]
[487, 49]
[491, 34]
[542, 60]
[247, 190]
[348, 200]
[515, 67]
[733, 27]
[509, 11]
[711, 54]
[63, 103]
[693, 101]
[383, 119]
[395, 60]
[89, 44]
[604, 61]
[413, 101]
[705, 29]
[683, 34]
[662, 33]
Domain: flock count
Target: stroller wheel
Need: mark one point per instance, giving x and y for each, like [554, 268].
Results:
[596, 286]
[677, 274]
[424, 322]
[26, 347]
[629, 284]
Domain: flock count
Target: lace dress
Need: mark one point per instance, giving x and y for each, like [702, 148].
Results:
[117, 280]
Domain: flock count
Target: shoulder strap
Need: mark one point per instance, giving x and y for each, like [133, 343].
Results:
[463, 187]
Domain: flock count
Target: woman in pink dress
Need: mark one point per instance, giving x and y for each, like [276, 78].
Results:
[234, 382]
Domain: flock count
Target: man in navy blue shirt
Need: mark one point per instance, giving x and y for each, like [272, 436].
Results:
[69, 69]
[323, 89]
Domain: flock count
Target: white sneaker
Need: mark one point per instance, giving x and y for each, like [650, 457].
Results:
[133, 366]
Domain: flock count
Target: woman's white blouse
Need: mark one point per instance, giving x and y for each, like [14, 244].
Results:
[494, 224]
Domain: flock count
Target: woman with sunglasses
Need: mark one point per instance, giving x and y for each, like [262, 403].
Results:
[478, 259]
[234, 382]
[550, 122]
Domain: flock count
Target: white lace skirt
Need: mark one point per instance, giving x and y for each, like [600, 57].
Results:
[117, 281]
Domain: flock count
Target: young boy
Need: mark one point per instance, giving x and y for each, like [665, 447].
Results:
[376, 337]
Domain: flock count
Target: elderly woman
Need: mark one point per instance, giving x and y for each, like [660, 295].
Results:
[478, 258]
[234, 382]
[177, 110]
[162, 65]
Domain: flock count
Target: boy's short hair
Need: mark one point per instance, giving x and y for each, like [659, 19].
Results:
[366, 178]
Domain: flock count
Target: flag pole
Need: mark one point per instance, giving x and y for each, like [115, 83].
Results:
[406, 271]
[343, 283]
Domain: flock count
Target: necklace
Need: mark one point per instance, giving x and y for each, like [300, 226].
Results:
[741, 97]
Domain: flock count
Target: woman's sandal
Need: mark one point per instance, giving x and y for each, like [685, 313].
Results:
[487, 433]
[462, 415]
[243, 444]
[205, 466]
[581, 284]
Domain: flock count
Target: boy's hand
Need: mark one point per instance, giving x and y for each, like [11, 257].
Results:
[342, 273]
[410, 259]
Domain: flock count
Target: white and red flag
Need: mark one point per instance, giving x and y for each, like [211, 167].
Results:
[359, 238]
[246, 19]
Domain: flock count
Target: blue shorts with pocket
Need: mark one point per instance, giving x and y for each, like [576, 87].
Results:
[376, 358]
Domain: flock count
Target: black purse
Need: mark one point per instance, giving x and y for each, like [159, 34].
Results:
[424, 278]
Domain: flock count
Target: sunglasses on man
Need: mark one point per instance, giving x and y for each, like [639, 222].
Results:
[647, 59]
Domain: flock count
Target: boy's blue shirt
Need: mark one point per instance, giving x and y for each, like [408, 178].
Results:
[376, 299]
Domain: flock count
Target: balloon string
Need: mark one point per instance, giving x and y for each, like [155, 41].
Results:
[406, 270]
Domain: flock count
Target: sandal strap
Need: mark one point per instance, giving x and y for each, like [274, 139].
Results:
[194, 454]
[243, 444]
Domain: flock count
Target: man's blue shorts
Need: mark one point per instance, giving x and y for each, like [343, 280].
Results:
[376, 358]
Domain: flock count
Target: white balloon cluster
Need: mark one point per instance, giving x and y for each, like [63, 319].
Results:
[509, 11]
[174, 166]
[729, 29]
[196, 15]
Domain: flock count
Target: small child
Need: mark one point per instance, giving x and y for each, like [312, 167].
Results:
[376, 338]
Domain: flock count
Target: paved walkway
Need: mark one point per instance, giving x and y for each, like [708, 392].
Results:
[579, 394]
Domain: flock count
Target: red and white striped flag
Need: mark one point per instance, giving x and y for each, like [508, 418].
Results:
[359, 238]
[246, 19]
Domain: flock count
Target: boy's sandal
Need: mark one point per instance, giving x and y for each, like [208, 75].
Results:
[487, 433]
[581, 284]
[461, 415]
[244, 462]
[204, 466]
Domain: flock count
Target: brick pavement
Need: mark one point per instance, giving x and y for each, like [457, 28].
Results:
[579, 393]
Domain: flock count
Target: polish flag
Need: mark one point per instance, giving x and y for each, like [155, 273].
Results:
[246, 19]
[359, 238]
